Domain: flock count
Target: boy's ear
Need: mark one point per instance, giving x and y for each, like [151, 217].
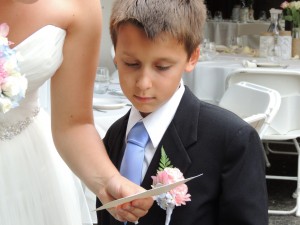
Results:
[193, 60]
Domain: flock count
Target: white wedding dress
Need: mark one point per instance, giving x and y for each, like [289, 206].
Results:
[36, 186]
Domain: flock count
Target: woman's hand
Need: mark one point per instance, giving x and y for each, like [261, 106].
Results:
[120, 187]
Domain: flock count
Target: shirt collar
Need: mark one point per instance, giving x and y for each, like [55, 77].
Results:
[158, 121]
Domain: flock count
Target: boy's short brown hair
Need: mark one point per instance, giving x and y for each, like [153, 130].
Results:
[182, 19]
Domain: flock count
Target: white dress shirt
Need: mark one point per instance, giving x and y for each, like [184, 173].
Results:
[156, 124]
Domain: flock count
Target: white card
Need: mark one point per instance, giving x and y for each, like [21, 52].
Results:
[145, 194]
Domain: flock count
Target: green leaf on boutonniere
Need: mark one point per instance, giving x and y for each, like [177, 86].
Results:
[164, 160]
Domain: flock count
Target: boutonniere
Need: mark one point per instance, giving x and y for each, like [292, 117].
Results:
[167, 174]
[13, 84]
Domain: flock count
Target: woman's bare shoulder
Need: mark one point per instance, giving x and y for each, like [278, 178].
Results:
[77, 14]
[69, 13]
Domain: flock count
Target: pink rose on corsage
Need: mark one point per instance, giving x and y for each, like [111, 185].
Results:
[167, 174]
[12, 83]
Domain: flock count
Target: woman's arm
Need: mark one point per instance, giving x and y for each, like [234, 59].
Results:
[73, 128]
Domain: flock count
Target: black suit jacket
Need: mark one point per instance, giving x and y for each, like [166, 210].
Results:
[203, 138]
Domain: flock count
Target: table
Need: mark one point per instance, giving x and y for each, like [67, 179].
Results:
[221, 32]
[207, 80]
[105, 118]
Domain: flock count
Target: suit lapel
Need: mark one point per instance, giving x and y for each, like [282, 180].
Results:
[174, 149]
[179, 158]
[181, 133]
[116, 145]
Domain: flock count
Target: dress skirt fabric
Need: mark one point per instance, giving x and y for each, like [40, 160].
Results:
[36, 185]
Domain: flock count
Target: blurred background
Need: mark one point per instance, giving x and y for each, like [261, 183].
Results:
[225, 6]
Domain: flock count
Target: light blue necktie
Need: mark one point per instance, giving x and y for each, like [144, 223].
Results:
[132, 163]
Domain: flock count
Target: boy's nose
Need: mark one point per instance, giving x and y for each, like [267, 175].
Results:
[144, 80]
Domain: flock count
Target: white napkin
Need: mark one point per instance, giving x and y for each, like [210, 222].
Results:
[249, 64]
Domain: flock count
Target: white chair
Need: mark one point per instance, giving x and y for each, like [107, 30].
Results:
[256, 104]
[285, 127]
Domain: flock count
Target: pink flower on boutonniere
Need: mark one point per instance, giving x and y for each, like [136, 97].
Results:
[167, 174]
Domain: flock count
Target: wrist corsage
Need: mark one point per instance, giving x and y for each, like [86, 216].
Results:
[167, 174]
[13, 84]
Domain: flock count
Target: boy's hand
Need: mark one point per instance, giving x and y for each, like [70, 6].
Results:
[120, 187]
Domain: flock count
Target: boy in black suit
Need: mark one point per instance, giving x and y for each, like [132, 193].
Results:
[155, 43]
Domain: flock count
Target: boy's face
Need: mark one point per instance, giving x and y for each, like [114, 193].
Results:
[150, 71]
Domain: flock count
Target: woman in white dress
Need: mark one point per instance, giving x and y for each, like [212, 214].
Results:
[58, 40]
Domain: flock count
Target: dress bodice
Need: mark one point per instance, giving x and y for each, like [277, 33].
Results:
[42, 54]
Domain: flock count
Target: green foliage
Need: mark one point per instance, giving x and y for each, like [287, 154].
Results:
[249, 3]
[164, 160]
[292, 15]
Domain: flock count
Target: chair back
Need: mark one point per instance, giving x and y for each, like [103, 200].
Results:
[256, 104]
[287, 83]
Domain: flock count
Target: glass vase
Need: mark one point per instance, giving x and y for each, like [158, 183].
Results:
[296, 32]
[296, 42]
[274, 25]
[251, 14]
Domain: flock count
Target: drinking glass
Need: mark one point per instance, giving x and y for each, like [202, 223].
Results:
[218, 16]
[208, 15]
[240, 42]
[211, 51]
[235, 15]
[102, 80]
[232, 43]
[274, 53]
[204, 43]
[262, 15]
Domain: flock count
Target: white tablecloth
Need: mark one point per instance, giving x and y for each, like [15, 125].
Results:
[207, 80]
[105, 118]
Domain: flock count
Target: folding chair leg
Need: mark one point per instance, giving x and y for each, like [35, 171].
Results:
[296, 194]
[298, 202]
[268, 164]
[269, 150]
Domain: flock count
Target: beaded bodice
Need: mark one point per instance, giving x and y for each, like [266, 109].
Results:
[41, 56]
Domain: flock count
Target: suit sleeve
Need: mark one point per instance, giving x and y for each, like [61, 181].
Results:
[243, 198]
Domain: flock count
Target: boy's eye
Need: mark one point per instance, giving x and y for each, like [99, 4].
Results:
[163, 67]
[131, 64]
